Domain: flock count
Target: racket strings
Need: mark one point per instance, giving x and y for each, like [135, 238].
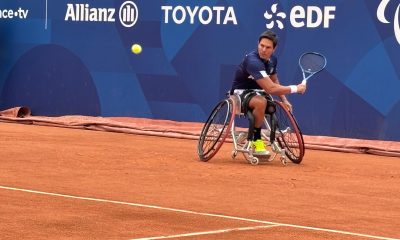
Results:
[311, 62]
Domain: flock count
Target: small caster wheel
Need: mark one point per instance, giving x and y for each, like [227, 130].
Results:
[254, 161]
[284, 161]
[233, 154]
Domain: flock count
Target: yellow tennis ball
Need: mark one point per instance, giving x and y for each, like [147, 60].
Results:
[136, 48]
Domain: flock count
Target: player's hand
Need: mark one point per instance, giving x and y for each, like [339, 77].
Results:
[301, 88]
[288, 105]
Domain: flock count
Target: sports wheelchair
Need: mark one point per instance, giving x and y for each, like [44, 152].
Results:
[280, 132]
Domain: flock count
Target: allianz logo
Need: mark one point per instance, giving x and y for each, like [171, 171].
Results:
[10, 13]
[380, 14]
[82, 12]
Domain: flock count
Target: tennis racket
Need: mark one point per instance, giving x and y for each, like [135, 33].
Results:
[310, 64]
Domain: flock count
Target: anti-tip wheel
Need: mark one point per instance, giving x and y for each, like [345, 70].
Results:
[234, 154]
[254, 161]
[284, 160]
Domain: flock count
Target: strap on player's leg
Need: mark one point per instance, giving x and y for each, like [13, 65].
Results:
[250, 134]
[247, 95]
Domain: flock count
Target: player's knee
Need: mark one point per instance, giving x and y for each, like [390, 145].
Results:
[259, 102]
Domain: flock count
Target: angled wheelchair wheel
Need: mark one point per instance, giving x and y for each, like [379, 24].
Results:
[216, 129]
[288, 134]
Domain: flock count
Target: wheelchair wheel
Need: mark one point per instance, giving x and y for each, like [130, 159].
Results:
[288, 134]
[216, 129]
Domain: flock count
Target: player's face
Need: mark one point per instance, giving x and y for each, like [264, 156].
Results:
[265, 48]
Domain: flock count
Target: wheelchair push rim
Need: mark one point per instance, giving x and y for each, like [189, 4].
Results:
[290, 137]
[215, 130]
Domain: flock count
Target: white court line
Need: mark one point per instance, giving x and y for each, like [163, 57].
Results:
[208, 233]
[199, 213]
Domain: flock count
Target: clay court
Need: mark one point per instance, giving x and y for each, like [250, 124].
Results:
[63, 183]
[103, 103]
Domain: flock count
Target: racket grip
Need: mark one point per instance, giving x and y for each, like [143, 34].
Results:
[304, 82]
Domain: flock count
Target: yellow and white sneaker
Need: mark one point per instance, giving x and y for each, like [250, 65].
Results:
[259, 147]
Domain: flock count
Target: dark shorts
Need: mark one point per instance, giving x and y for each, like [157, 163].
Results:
[246, 95]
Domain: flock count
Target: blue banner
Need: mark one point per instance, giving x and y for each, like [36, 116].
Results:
[62, 57]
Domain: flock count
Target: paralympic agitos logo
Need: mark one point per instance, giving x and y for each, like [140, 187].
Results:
[380, 14]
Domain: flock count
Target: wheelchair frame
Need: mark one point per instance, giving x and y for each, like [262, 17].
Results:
[280, 133]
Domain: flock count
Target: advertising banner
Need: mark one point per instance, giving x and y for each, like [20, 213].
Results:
[64, 57]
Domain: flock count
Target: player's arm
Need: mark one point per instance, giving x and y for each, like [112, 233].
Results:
[283, 98]
[255, 67]
[275, 79]
[273, 88]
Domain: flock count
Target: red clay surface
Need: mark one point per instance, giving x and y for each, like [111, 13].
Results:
[101, 179]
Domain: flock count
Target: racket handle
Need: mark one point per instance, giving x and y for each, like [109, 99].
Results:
[304, 82]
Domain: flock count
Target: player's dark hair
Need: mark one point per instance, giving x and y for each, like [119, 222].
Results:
[269, 35]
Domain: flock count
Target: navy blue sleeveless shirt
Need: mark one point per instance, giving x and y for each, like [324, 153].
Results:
[251, 69]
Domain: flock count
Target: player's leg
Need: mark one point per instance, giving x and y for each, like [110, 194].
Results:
[258, 104]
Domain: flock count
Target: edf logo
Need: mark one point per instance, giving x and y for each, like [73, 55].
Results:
[310, 16]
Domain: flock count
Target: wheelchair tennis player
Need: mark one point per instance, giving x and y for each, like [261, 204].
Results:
[258, 70]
